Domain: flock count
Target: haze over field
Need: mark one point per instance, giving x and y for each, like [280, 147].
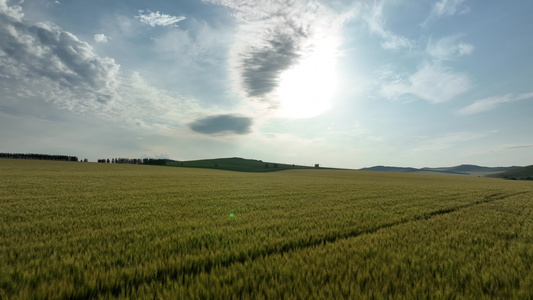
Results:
[345, 84]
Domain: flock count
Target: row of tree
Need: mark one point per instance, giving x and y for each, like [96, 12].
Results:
[134, 161]
[38, 156]
[137, 161]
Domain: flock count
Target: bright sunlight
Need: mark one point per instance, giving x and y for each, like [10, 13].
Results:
[307, 89]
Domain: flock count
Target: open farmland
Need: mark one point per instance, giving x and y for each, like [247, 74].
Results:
[86, 230]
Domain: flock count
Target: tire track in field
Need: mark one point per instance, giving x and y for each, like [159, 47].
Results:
[205, 265]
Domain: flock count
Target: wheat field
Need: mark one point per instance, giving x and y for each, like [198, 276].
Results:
[97, 231]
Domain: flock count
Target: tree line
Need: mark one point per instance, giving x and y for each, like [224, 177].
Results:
[38, 156]
[144, 161]
[134, 161]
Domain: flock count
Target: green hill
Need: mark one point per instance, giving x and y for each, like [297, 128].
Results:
[236, 164]
[523, 173]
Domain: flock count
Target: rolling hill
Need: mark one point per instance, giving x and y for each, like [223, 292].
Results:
[255, 165]
[391, 169]
[236, 164]
[472, 170]
[523, 173]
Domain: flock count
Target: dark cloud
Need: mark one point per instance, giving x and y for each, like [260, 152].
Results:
[222, 124]
[262, 66]
[46, 56]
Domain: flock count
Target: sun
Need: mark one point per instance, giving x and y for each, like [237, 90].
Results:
[307, 89]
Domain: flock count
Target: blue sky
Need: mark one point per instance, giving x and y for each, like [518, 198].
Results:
[341, 83]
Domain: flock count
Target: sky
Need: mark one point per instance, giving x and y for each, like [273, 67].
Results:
[339, 83]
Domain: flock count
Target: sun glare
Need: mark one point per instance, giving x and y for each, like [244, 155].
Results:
[307, 89]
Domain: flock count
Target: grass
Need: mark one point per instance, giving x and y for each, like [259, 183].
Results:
[86, 230]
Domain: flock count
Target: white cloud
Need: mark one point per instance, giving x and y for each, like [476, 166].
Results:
[51, 3]
[274, 37]
[449, 8]
[55, 62]
[13, 11]
[43, 62]
[158, 19]
[142, 104]
[444, 8]
[449, 140]
[101, 38]
[505, 148]
[376, 23]
[491, 103]
[432, 82]
[448, 48]
[200, 43]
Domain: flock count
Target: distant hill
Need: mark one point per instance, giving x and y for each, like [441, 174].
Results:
[471, 170]
[522, 173]
[461, 170]
[391, 169]
[236, 164]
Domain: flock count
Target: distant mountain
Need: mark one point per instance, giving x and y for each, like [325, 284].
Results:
[473, 170]
[521, 173]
